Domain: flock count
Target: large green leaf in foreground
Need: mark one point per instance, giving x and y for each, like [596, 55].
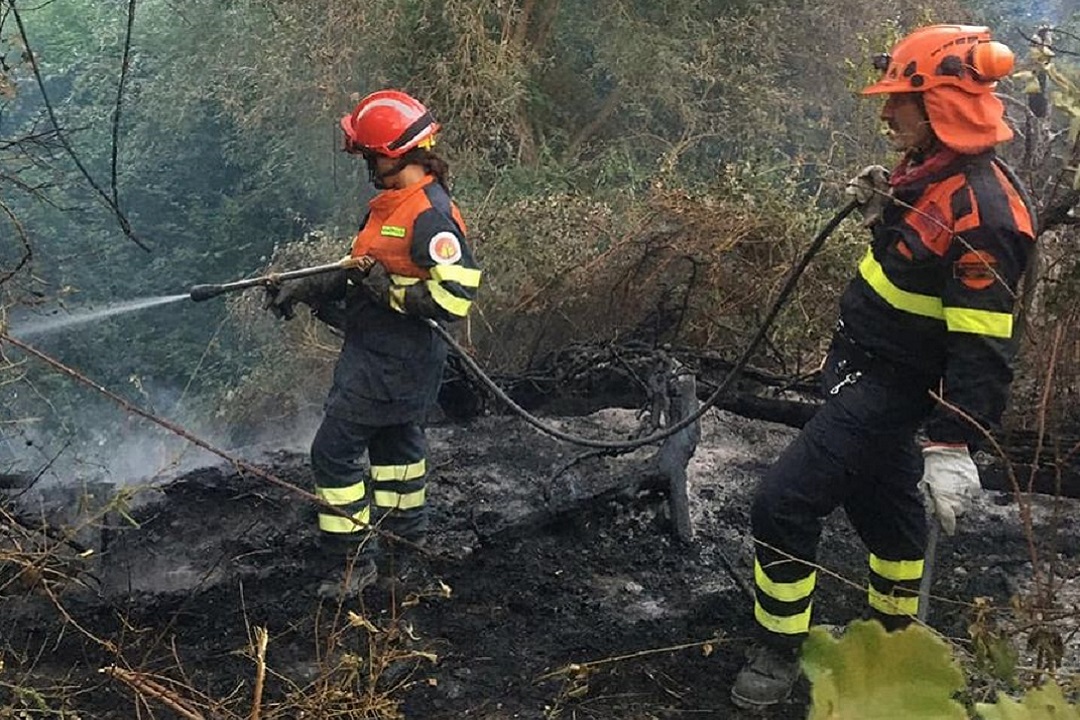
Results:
[1045, 703]
[870, 674]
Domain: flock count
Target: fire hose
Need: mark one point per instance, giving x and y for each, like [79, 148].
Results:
[203, 292]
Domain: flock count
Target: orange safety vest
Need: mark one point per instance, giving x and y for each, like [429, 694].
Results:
[387, 234]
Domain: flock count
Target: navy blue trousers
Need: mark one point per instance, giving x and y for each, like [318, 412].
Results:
[389, 492]
[858, 452]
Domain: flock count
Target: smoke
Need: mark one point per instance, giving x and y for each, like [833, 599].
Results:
[59, 432]
[1027, 14]
[99, 442]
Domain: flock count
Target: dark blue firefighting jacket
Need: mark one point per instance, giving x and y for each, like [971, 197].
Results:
[935, 292]
[392, 362]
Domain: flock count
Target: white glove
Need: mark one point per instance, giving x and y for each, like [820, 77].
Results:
[870, 189]
[950, 482]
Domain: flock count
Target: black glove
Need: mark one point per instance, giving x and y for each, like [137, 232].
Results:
[331, 313]
[376, 284]
[313, 290]
[416, 299]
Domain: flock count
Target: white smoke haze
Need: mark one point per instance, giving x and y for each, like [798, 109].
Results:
[85, 438]
[103, 443]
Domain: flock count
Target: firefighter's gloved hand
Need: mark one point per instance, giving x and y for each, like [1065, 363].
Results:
[871, 191]
[280, 300]
[376, 284]
[313, 290]
[950, 482]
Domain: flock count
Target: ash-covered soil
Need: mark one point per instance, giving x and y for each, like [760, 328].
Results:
[535, 564]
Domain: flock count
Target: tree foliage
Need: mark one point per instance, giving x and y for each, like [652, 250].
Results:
[625, 137]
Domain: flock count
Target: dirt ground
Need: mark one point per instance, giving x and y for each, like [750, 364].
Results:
[533, 567]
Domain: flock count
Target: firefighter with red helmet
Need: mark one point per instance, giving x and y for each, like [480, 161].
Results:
[388, 374]
[928, 313]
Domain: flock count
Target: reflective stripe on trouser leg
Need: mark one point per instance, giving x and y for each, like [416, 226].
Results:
[352, 501]
[399, 479]
[894, 586]
[340, 478]
[783, 595]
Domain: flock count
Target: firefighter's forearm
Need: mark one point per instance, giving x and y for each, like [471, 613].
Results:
[975, 388]
[419, 302]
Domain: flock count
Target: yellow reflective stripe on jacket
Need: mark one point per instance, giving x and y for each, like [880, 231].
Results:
[447, 300]
[343, 525]
[400, 501]
[967, 320]
[979, 322]
[464, 276]
[341, 496]
[785, 625]
[399, 472]
[892, 604]
[404, 280]
[397, 299]
[874, 275]
[784, 592]
[897, 570]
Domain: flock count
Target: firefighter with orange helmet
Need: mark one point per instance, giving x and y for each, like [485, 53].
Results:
[930, 310]
[391, 364]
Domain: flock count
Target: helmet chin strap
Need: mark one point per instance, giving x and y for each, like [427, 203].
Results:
[377, 178]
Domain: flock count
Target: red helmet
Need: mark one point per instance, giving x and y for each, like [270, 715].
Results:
[961, 56]
[390, 123]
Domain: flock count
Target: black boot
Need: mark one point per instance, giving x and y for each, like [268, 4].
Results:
[767, 678]
[400, 564]
[351, 566]
[348, 581]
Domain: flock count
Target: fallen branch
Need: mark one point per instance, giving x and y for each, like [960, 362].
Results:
[145, 687]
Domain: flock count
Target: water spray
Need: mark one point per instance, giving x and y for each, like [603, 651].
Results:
[63, 322]
[198, 293]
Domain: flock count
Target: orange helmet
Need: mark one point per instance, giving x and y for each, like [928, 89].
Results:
[961, 56]
[390, 123]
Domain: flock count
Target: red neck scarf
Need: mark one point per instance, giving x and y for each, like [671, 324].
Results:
[913, 167]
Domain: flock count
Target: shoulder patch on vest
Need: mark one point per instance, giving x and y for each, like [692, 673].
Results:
[392, 231]
[445, 248]
[977, 269]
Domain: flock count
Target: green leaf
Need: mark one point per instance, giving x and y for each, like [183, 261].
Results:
[1068, 103]
[1062, 80]
[998, 657]
[1045, 703]
[870, 674]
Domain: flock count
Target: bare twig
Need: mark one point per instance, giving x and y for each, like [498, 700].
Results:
[27, 251]
[575, 668]
[262, 637]
[125, 63]
[1022, 503]
[125, 225]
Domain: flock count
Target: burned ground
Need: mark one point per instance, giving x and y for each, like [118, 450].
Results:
[562, 594]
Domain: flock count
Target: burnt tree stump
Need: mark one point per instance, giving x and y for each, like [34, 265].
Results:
[674, 454]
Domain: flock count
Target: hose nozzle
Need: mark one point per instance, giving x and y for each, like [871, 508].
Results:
[199, 293]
